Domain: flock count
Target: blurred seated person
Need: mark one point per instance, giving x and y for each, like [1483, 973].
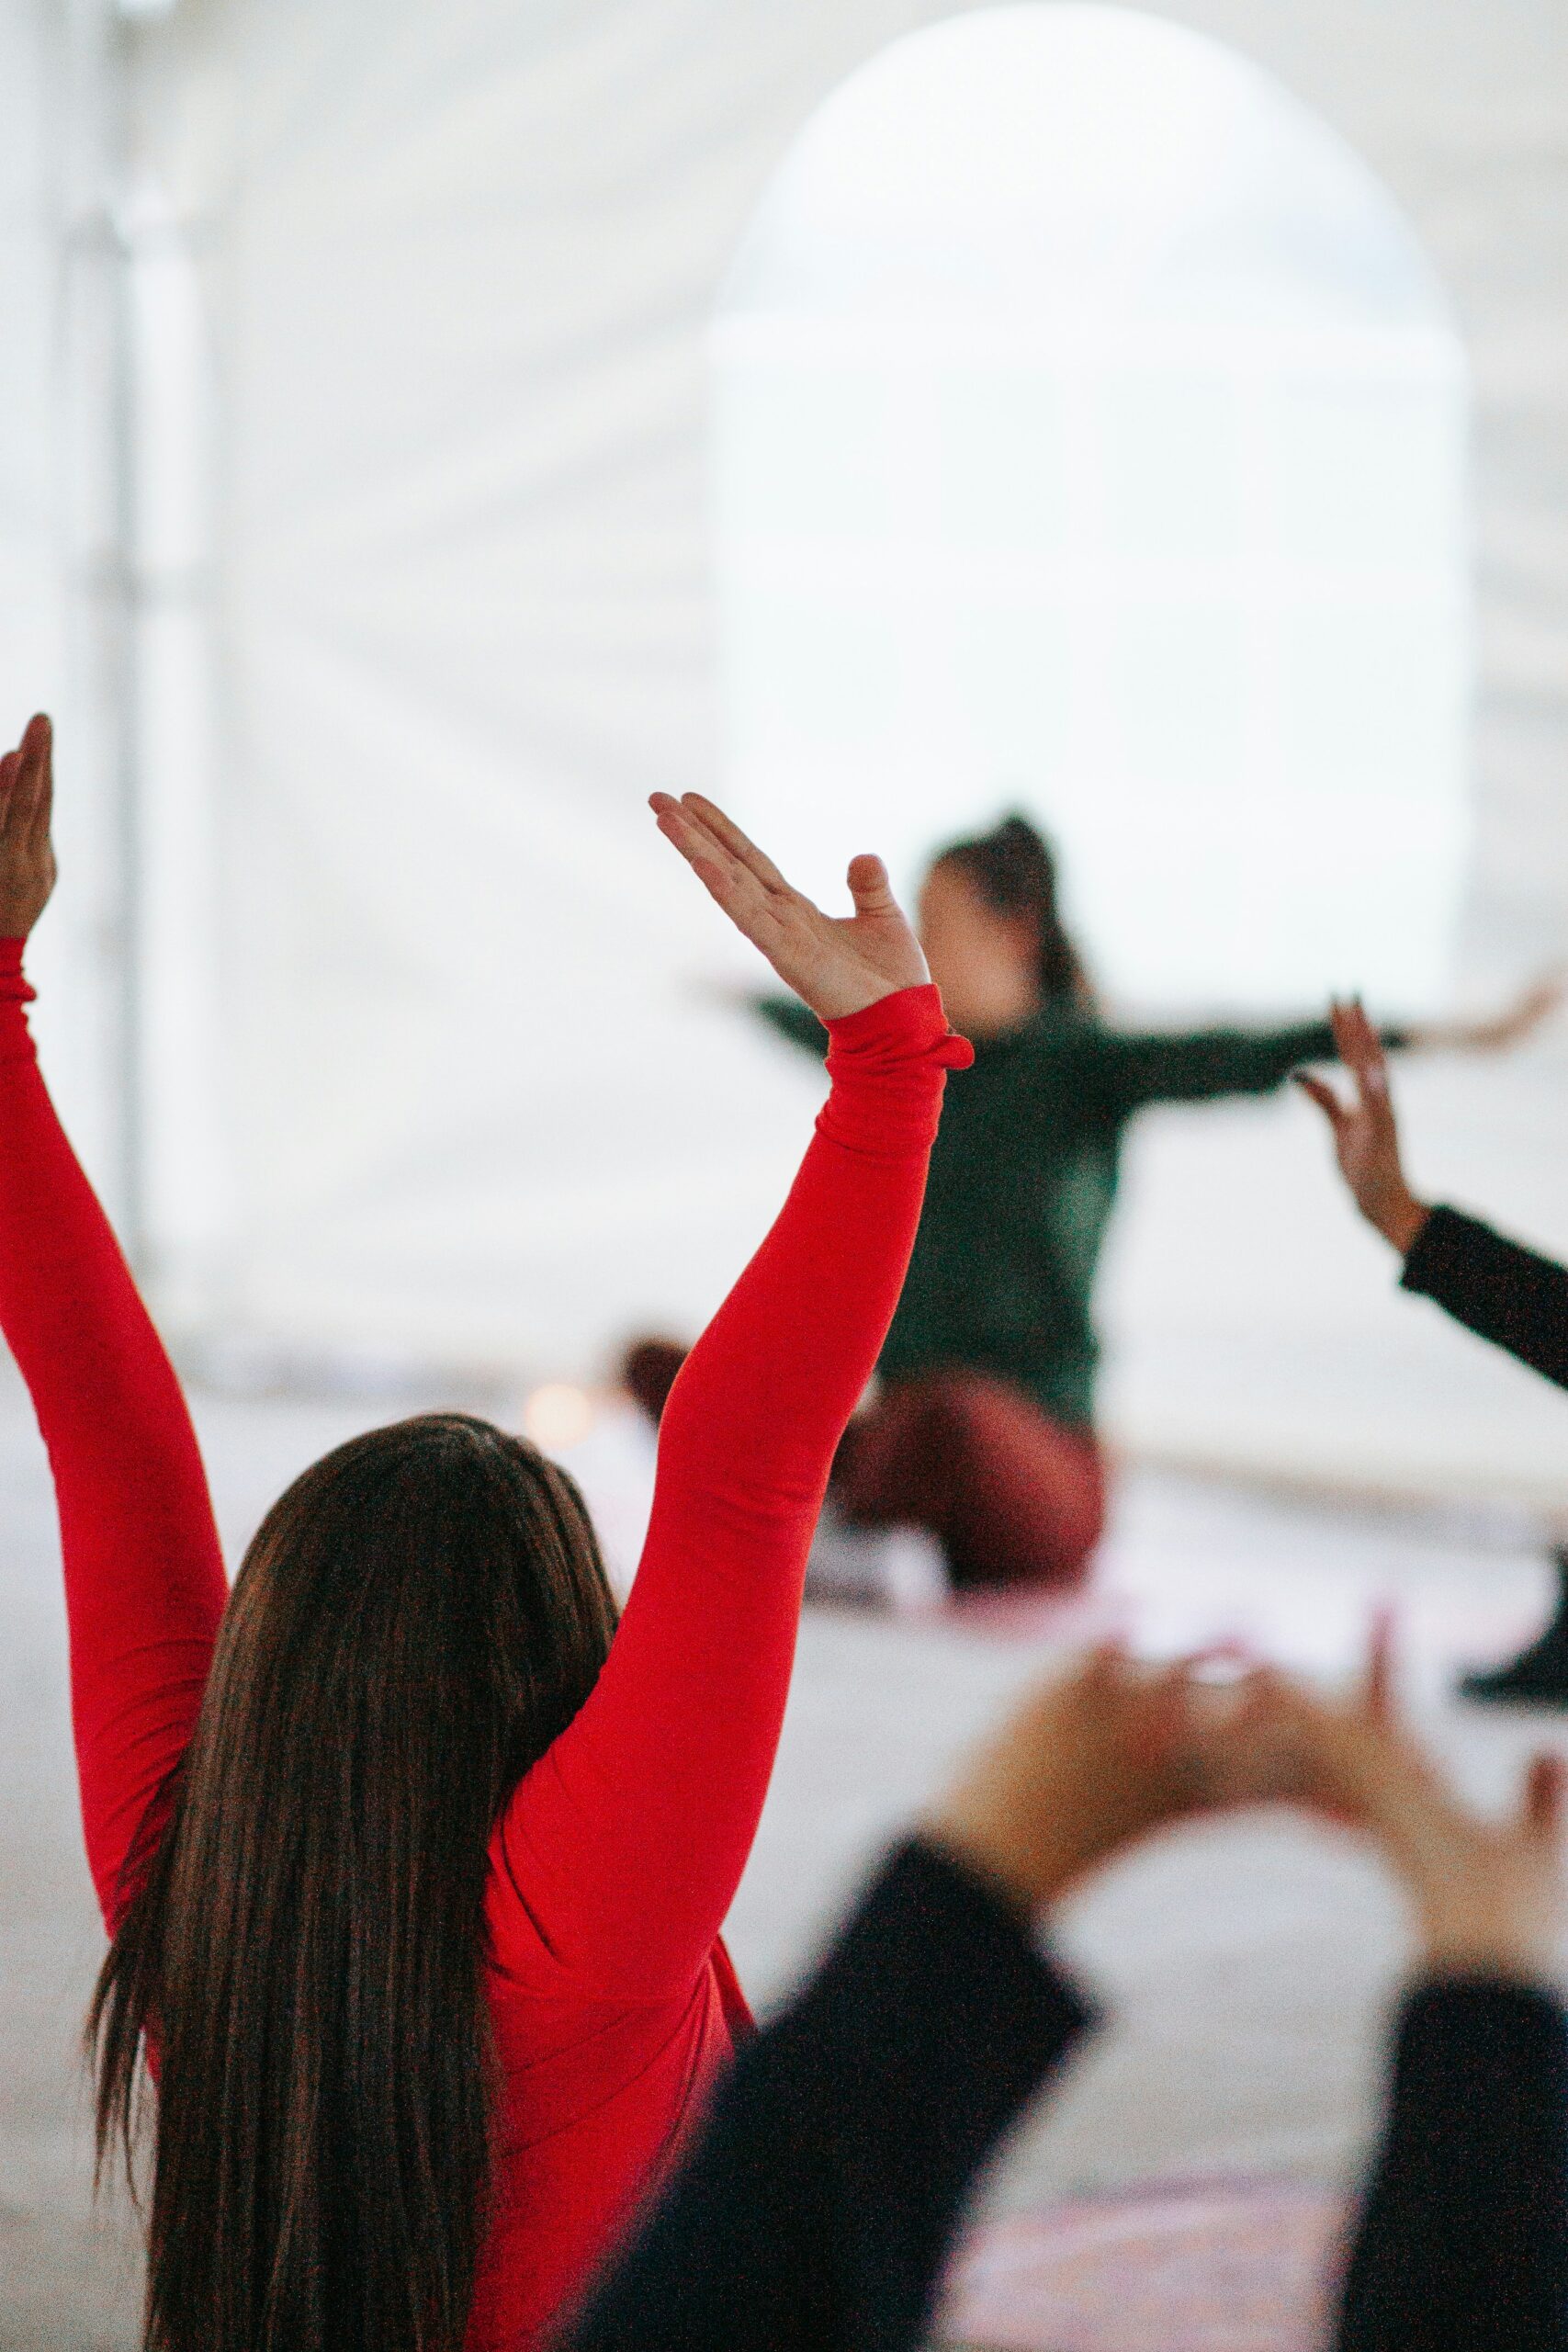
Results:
[983, 1431]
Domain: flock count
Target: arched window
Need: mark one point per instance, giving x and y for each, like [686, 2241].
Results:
[1090, 436]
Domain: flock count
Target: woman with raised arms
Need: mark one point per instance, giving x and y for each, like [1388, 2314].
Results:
[413, 1862]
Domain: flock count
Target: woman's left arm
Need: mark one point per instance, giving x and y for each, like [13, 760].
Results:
[625, 1842]
[1205, 1065]
[144, 1584]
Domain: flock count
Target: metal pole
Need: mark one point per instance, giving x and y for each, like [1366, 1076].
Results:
[102, 556]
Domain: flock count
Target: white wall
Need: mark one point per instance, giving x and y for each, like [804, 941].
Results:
[460, 261]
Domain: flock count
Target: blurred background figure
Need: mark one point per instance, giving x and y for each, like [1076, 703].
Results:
[983, 1433]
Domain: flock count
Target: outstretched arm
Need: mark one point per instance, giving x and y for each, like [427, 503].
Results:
[144, 1584]
[1497, 1288]
[625, 1842]
[1206, 1065]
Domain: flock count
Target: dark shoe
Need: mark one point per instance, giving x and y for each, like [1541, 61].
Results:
[1538, 1676]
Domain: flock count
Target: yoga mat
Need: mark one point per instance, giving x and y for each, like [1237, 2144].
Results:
[1210, 2266]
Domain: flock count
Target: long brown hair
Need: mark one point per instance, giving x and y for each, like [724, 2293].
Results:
[1014, 870]
[304, 1943]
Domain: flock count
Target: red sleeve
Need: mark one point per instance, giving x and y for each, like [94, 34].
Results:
[144, 1585]
[621, 1852]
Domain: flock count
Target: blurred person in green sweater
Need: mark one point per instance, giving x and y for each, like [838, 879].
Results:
[982, 1432]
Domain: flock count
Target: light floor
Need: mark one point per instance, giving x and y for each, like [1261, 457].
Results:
[1246, 1966]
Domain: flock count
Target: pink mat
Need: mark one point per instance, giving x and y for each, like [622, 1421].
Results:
[1221, 2266]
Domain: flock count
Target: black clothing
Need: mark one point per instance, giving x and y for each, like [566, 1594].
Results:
[817, 2209]
[1463, 2239]
[1506, 1293]
[1519, 1300]
[1537, 1676]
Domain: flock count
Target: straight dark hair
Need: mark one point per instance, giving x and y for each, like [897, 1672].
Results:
[301, 1956]
[1014, 870]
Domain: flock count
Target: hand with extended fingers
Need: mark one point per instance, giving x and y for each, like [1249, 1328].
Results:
[1114, 1751]
[1488, 1896]
[1092, 1762]
[1366, 1135]
[26, 853]
[836, 964]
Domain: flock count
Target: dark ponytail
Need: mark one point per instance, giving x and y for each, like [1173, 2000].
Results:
[1015, 870]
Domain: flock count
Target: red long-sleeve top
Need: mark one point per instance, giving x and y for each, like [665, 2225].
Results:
[618, 1856]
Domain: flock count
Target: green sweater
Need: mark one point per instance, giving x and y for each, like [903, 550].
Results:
[1023, 1176]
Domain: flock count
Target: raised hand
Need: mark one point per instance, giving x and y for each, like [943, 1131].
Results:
[1488, 1896]
[838, 964]
[1366, 1135]
[1088, 1765]
[26, 853]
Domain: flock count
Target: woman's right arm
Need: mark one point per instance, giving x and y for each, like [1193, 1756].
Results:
[144, 1583]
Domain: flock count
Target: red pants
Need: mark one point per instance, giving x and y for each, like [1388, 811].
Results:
[1012, 1497]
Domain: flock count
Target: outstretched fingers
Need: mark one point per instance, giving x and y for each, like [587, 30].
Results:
[1319, 1092]
[1377, 1682]
[1360, 1048]
[729, 883]
[37, 756]
[729, 836]
[25, 781]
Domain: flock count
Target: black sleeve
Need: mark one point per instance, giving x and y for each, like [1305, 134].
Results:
[1462, 2242]
[1497, 1288]
[816, 2210]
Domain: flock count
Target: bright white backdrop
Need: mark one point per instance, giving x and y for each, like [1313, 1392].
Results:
[1091, 433]
[421, 1072]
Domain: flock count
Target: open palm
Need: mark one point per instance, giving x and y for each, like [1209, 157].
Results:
[838, 964]
[1488, 1894]
[1366, 1134]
